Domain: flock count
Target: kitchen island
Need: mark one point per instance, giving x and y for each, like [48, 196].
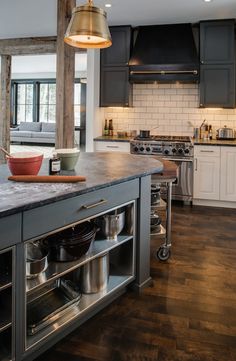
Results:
[31, 212]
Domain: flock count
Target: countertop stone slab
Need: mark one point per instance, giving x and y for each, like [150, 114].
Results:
[101, 170]
[216, 142]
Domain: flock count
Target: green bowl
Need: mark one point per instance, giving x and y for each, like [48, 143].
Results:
[68, 157]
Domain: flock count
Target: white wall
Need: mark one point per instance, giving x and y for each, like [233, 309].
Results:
[172, 107]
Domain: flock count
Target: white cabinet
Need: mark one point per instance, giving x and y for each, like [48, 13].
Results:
[106, 146]
[228, 174]
[206, 172]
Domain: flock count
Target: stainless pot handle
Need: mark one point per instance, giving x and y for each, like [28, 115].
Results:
[89, 206]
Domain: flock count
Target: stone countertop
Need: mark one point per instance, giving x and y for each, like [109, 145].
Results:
[101, 170]
[114, 138]
[218, 142]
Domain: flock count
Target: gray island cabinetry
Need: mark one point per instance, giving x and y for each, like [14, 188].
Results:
[32, 212]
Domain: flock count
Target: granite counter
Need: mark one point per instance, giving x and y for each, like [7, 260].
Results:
[101, 170]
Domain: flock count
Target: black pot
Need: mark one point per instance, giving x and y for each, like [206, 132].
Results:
[144, 134]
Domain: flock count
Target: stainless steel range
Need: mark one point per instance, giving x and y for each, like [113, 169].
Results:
[178, 149]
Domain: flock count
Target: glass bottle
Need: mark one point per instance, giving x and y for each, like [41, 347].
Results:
[54, 165]
[110, 128]
[105, 131]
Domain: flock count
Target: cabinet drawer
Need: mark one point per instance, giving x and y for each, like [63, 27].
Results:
[48, 218]
[112, 147]
[206, 151]
[10, 227]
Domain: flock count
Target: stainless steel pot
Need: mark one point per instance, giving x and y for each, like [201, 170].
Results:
[225, 133]
[36, 259]
[112, 224]
[95, 275]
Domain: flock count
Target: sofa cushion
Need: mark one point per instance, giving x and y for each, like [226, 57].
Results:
[42, 135]
[30, 126]
[22, 134]
[48, 127]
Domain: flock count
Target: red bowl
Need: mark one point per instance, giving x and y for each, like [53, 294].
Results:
[25, 163]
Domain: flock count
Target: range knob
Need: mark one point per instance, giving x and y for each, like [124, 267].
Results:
[141, 149]
[166, 151]
[173, 150]
[186, 151]
[148, 149]
[180, 150]
[136, 149]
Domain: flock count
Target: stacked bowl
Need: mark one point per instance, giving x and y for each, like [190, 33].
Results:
[72, 243]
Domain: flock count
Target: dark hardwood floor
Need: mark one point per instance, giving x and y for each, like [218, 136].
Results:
[189, 314]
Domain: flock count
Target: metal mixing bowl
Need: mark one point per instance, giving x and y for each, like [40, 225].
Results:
[112, 224]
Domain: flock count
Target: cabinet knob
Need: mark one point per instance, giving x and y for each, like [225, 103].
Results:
[202, 62]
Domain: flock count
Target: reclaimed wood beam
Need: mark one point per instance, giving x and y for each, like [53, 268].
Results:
[28, 46]
[65, 78]
[5, 112]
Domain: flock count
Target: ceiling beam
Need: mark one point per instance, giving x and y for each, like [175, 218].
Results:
[31, 46]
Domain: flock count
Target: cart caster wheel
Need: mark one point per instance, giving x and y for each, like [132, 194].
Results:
[163, 254]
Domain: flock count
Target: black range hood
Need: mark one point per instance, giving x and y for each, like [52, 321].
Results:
[164, 53]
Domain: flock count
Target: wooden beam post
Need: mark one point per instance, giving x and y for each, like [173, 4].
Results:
[5, 112]
[65, 78]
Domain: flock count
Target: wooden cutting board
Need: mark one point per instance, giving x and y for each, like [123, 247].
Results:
[47, 178]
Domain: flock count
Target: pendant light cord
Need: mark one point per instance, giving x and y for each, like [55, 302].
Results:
[90, 2]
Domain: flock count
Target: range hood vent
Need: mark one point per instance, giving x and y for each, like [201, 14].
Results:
[164, 53]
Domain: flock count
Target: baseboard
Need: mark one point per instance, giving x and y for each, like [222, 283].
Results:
[213, 203]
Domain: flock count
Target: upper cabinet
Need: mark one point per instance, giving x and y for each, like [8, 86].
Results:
[115, 89]
[217, 42]
[118, 54]
[217, 58]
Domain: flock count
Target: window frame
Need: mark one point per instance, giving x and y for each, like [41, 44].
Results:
[36, 95]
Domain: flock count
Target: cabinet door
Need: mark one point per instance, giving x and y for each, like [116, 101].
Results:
[217, 42]
[228, 174]
[206, 178]
[217, 86]
[115, 87]
[118, 54]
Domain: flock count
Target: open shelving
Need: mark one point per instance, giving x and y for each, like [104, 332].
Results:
[121, 273]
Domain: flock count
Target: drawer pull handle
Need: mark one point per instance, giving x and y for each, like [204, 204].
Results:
[207, 151]
[112, 146]
[102, 201]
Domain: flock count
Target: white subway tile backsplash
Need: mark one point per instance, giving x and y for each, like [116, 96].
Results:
[169, 106]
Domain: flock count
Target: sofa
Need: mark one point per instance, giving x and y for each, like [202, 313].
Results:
[34, 132]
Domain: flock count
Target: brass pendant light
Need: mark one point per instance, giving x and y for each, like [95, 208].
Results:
[88, 28]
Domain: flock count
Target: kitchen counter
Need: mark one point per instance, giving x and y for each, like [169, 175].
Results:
[101, 170]
[107, 138]
[32, 211]
[224, 142]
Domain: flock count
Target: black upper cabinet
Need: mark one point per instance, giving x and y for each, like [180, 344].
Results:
[118, 54]
[115, 89]
[217, 57]
[217, 42]
[217, 86]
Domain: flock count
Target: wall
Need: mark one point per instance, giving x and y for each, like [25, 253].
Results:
[171, 107]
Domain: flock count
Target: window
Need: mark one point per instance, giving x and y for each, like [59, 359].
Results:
[35, 101]
[47, 102]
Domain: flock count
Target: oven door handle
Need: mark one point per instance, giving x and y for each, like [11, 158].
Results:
[178, 159]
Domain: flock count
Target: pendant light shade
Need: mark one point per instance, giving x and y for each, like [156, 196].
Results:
[88, 28]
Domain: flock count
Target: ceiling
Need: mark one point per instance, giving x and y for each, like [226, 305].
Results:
[26, 18]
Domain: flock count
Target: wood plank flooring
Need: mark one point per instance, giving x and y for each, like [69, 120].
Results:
[189, 314]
